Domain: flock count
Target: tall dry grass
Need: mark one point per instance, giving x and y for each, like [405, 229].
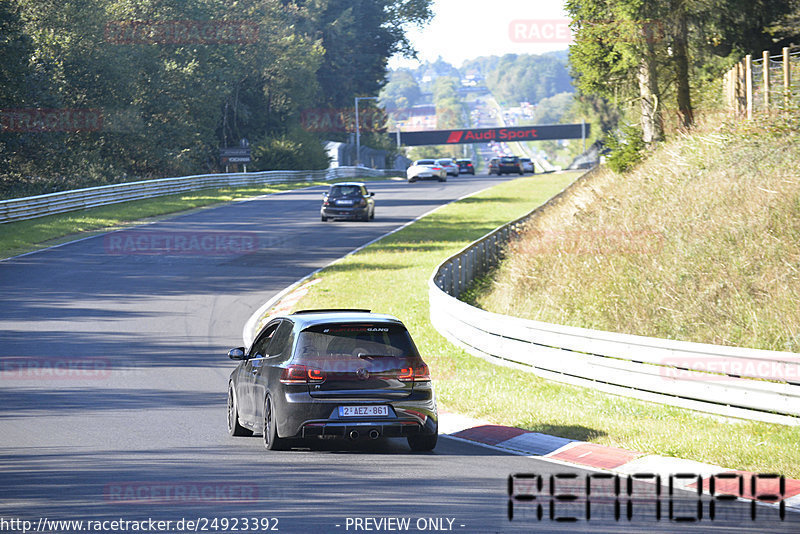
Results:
[701, 243]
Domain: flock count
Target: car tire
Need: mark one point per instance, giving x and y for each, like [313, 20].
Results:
[443, 179]
[323, 218]
[372, 215]
[270, 429]
[423, 442]
[234, 428]
[412, 180]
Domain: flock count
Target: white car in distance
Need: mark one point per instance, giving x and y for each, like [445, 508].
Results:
[426, 169]
[450, 166]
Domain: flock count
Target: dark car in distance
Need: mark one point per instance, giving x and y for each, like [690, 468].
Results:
[332, 374]
[509, 165]
[348, 200]
[465, 166]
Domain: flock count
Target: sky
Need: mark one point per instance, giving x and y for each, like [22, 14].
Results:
[466, 29]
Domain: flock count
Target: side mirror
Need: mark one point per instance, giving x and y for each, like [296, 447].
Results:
[372, 194]
[236, 354]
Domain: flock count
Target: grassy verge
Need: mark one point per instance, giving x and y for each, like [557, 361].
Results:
[26, 236]
[699, 243]
[391, 276]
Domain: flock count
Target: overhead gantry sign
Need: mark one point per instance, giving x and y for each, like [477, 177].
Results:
[485, 135]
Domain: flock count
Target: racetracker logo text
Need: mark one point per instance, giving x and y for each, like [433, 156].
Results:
[180, 492]
[29, 368]
[718, 368]
[151, 243]
[35, 120]
[540, 31]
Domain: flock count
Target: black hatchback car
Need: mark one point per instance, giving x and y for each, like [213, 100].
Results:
[465, 166]
[332, 374]
[348, 200]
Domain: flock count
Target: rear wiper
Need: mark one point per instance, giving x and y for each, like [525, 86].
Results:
[367, 356]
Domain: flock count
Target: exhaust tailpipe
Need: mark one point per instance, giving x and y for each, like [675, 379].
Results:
[374, 434]
[354, 434]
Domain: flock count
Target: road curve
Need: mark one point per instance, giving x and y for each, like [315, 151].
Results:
[112, 385]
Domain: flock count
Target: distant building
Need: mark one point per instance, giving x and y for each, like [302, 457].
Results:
[417, 118]
[344, 155]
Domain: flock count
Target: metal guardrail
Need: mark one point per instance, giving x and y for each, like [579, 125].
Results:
[730, 381]
[19, 209]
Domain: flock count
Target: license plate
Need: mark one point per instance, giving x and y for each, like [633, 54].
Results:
[363, 411]
[345, 202]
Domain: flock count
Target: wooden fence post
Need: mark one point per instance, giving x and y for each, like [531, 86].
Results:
[787, 77]
[748, 68]
[741, 92]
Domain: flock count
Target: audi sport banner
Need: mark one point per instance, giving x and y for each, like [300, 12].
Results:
[485, 135]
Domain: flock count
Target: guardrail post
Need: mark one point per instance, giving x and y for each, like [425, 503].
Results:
[470, 266]
[765, 70]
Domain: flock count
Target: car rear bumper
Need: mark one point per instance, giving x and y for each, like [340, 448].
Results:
[375, 429]
[300, 415]
[344, 213]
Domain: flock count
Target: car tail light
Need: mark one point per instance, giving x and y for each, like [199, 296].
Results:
[316, 375]
[300, 374]
[419, 373]
[362, 202]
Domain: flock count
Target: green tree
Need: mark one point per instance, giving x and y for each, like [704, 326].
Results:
[401, 91]
[651, 52]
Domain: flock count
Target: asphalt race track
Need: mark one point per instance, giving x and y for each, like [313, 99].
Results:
[114, 374]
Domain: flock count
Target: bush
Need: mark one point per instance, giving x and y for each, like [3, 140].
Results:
[626, 148]
[296, 151]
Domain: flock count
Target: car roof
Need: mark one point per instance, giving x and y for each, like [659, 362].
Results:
[359, 184]
[308, 318]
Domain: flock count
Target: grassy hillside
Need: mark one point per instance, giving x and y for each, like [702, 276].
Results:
[700, 243]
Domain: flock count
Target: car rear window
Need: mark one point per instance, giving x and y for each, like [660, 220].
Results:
[425, 162]
[509, 160]
[354, 341]
[345, 191]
